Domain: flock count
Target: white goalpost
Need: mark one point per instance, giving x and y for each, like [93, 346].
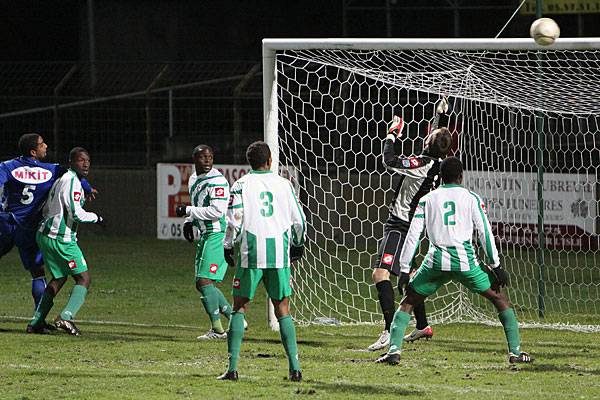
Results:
[525, 121]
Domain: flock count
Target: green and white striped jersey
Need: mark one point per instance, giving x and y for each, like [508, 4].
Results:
[209, 194]
[450, 214]
[264, 218]
[64, 209]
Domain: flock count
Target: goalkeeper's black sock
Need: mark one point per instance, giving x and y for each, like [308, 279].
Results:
[420, 316]
[387, 302]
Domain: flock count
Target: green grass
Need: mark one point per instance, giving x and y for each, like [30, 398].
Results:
[150, 282]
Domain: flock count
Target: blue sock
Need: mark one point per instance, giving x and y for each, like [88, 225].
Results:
[38, 285]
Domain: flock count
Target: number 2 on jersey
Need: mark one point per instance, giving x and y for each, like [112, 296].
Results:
[27, 194]
[449, 216]
[267, 198]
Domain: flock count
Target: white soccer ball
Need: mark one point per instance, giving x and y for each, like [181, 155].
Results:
[544, 31]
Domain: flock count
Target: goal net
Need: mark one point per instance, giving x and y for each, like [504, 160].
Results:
[525, 122]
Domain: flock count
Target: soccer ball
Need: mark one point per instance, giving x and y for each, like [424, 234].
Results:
[544, 31]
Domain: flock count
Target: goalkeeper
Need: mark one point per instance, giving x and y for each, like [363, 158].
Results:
[209, 194]
[418, 177]
[450, 216]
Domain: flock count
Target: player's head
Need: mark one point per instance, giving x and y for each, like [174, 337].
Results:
[79, 161]
[32, 145]
[451, 170]
[439, 143]
[203, 156]
[258, 155]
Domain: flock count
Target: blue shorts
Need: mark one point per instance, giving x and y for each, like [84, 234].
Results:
[12, 235]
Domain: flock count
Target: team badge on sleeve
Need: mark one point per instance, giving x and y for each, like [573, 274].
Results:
[414, 162]
[236, 283]
[72, 264]
[387, 259]
[76, 196]
[220, 192]
[213, 268]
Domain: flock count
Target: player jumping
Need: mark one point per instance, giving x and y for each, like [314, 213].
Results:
[418, 177]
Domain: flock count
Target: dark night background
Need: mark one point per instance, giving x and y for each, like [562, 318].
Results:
[128, 30]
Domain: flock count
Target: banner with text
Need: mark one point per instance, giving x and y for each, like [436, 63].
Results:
[569, 201]
[562, 7]
[172, 190]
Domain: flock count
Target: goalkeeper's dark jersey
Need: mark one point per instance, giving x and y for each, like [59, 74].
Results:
[419, 175]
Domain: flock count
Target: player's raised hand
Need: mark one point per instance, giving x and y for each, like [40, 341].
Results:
[188, 232]
[442, 106]
[395, 127]
[180, 210]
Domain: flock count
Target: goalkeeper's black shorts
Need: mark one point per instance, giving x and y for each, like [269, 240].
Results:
[390, 247]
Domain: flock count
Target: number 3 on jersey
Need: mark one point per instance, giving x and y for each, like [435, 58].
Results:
[27, 194]
[267, 204]
[449, 216]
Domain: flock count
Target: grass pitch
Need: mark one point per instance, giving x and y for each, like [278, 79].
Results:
[142, 316]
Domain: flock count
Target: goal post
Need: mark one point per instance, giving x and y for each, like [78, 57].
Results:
[524, 120]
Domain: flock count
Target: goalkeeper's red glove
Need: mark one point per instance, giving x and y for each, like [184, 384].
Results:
[396, 126]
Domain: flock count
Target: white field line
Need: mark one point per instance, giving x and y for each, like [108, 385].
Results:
[119, 323]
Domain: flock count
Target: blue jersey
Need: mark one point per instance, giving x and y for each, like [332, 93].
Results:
[24, 186]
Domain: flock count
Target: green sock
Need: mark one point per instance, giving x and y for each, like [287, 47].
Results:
[508, 318]
[399, 325]
[224, 306]
[288, 338]
[210, 300]
[234, 339]
[43, 308]
[75, 302]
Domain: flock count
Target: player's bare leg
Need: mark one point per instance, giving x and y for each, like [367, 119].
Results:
[287, 331]
[508, 318]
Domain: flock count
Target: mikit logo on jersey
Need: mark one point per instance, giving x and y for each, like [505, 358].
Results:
[220, 192]
[72, 264]
[76, 196]
[387, 259]
[236, 283]
[213, 268]
[30, 175]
